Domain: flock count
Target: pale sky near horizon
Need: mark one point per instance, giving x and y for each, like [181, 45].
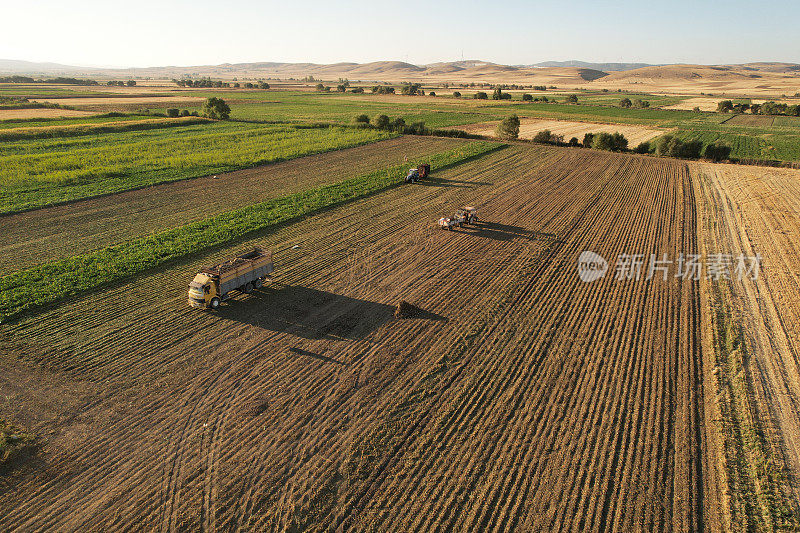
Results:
[202, 32]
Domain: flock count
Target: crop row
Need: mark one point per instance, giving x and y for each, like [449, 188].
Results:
[49, 132]
[54, 281]
[40, 172]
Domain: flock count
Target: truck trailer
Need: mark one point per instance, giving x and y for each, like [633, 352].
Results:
[243, 273]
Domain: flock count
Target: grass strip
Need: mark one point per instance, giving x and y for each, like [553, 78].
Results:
[48, 283]
[757, 498]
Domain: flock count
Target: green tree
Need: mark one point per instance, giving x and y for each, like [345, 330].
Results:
[613, 142]
[456, 94]
[131, 83]
[724, 106]
[382, 122]
[216, 108]
[572, 99]
[480, 95]
[398, 125]
[320, 87]
[173, 112]
[264, 85]
[362, 119]
[625, 103]
[544, 136]
[527, 97]
[717, 151]
[587, 139]
[508, 127]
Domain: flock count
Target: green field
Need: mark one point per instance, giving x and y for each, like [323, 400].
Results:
[50, 282]
[42, 172]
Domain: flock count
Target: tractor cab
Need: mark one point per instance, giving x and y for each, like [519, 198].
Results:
[413, 175]
[468, 214]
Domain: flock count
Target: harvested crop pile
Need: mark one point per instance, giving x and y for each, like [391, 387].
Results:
[14, 443]
[405, 310]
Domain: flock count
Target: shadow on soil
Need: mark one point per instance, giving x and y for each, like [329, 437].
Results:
[505, 232]
[439, 182]
[307, 313]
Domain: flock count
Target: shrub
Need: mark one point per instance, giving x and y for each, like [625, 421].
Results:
[574, 141]
[216, 108]
[382, 122]
[184, 112]
[498, 94]
[508, 127]
[320, 87]
[340, 88]
[587, 139]
[362, 119]
[572, 99]
[173, 112]
[398, 124]
[527, 97]
[543, 136]
[640, 104]
[625, 103]
[613, 142]
[358, 90]
[480, 96]
[642, 148]
[457, 94]
[670, 146]
[431, 93]
[417, 128]
[717, 151]
[264, 85]
[131, 83]
[411, 88]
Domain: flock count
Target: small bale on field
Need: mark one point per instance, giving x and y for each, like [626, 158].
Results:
[405, 310]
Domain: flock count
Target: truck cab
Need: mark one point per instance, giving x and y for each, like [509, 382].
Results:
[203, 292]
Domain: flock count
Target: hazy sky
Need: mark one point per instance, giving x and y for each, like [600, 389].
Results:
[182, 32]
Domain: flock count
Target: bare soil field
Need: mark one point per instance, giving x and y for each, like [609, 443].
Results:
[517, 397]
[757, 210]
[8, 114]
[530, 127]
[43, 235]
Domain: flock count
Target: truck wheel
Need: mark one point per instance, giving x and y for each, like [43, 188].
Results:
[248, 288]
[214, 303]
[258, 283]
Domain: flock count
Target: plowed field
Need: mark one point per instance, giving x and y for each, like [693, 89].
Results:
[518, 397]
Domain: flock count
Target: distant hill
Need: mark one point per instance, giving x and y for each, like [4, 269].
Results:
[13, 66]
[607, 67]
[749, 77]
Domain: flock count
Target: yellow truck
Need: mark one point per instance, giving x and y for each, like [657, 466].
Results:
[244, 273]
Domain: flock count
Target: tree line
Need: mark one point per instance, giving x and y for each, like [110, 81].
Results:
[767, 108]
